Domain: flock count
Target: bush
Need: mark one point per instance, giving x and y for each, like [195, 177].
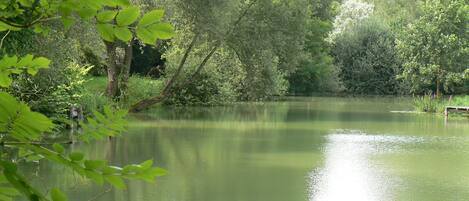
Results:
[53, 91]
[91, 58]
[459, 101]
[93, 97]
[429, 103]
[206, 89]
[367, 59]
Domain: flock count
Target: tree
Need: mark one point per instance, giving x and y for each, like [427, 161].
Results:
[316, 72]
[22, 130]
[434, 48]
[367, 59]
[118, 26]
[264, 39]
[351, 13]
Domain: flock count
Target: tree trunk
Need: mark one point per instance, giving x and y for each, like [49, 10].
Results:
[143, 104]
[112, 89]
[125, 71]
[438, 95]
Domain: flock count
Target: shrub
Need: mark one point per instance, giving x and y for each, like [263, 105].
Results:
[53, 91]
[206, 89]
[429, 103]
[459, 101]
[93, 97]
[367, 59]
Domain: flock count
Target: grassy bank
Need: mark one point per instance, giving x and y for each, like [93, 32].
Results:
[437, 105]
[140, 88]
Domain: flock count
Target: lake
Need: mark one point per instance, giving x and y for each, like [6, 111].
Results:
[302, 149]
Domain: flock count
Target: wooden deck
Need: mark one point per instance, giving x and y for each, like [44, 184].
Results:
[449, 109]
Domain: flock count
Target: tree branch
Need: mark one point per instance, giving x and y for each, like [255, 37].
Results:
[3, 38]
[141, 105]
[181, 64]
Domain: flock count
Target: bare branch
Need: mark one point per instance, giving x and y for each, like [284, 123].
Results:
[3, 38]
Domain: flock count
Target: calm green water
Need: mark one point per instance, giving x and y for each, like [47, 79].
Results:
[305, 149]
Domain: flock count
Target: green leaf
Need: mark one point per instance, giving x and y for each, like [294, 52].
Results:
[151, 17]
[96, 177]
[67, 22]
[58, 148]
[127, 16]
[23, 124]
[5, 80]
[9, 191]
[123, 2]
[87, 13]
[110, 3]
[38, 29]
[26, 3]
[5, 198]
[146, 36]
[57, 195]
[115, 181]
[4, 27]
[110, 124]
[123, 34]
[111, 169]
[8, 61]
[147, 164]
[25, 61]
[95, 164]
[162, 30]
[76, 156]
[106, 16]
[106, 31]
[37, 63]
[41, 62]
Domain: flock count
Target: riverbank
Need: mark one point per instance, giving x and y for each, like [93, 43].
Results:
[139, 88]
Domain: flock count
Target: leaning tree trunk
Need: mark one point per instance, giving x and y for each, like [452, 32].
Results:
[125, 70]
[144, 104]
[112, 89]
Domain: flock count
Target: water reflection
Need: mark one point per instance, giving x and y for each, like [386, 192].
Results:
[349, 173]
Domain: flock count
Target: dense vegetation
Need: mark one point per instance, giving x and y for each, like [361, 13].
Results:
[132, 55]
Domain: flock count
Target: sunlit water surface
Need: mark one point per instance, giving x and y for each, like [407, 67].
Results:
[304, 149]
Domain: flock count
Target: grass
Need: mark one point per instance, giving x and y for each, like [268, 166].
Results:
[140, 88]
[460, 101]
[430, 104]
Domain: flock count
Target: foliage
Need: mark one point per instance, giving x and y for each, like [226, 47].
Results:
[397, 13]
[13, 65]
[434, 48]
[93, 98]
[459, 101]
[117, 24]
[252, 56]
[367, 59]
[206, 89]
[316, 72]
[215, 85]
[352, 13]
[91, 58]
[22, 129]
[53, 92]
[429, 103]
[21, 125]
[148, 61]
